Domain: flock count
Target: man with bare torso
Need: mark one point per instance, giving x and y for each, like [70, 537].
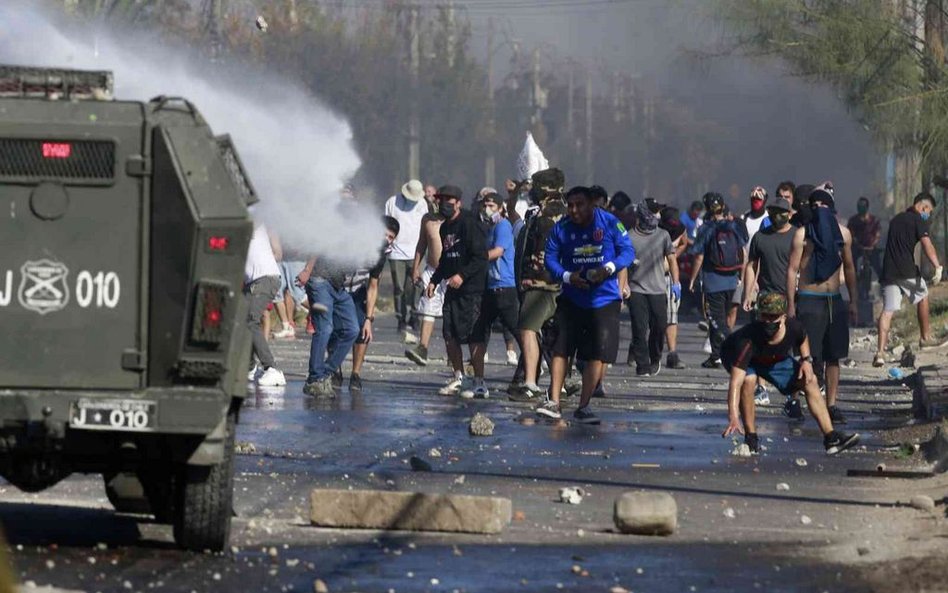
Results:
[820, 248]
[427, 255]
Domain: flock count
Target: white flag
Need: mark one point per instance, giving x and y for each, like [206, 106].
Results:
[531, 159]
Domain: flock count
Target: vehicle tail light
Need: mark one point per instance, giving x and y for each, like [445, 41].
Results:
[209, 303]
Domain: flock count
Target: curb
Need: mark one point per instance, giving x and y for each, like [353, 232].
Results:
[930, 397]
[936, 450]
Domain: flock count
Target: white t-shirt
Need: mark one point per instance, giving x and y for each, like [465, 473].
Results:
[260, 260]
[753, 225]
[409, 215]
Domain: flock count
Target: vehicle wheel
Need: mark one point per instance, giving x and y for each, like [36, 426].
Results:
[126, 493]
[205, 501]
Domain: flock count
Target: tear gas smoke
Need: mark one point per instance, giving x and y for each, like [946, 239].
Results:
[298, 154]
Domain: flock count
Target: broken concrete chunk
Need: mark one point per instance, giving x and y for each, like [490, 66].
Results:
[646, 513]
[481, 426]
[409, 511]
[923, 503]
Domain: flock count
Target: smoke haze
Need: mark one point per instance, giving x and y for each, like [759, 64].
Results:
[298, 154]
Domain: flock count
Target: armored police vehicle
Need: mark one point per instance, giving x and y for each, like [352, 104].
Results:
[123, 352]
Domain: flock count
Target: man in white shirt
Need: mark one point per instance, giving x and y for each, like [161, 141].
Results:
[407, 207]
[261, 284]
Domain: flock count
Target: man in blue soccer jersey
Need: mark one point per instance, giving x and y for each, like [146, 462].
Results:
[585, 250]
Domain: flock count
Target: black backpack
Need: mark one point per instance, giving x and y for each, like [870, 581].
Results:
[724, 251]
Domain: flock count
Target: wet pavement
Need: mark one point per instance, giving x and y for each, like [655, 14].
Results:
[737, 531]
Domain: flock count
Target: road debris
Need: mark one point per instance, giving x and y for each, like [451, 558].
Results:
[572, 494]
[805, 519]
[646, 513]
[320, 587]
[481, 426]
[262, 24]
[783, 487]
[742, 450]
[801, 462]
[922, 503]
[729, 513]
[418, 464]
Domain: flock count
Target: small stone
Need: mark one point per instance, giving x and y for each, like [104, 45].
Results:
[528, 421]
[729, 513]
[805, 520]
[742, 450]
[50, 564]
[862, 550]
[459, 479]
[434, 452]
[434, 582]
[273, 552]
[801, 462]
[618, 589]
[923, 503]
[783, 487]
[320, 587]
[577, 569]
[481, 426]
[646, 513]
[216, 576]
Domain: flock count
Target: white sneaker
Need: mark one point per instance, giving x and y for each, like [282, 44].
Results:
[286, 333]
[707, 346]
[254, 373]
[481, 392]
[272, 378]
[486, 357]
[512, 358]
[451, 387]
[409, 338]
[466, 389]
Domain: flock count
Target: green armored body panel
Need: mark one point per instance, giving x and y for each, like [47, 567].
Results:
[124, 232]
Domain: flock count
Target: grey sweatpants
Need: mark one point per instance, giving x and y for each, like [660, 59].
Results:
[259, 294]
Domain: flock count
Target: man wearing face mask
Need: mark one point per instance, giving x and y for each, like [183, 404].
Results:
[752, 221]
[769, 256]
[764, 348]
[427, 256]
[500, 298]
[901, 277]
[648, 302]
[463, 265]
[819, 250]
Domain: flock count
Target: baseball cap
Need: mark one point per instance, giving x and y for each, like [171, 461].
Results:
[780, 204]
[449, 191]
[772, 303]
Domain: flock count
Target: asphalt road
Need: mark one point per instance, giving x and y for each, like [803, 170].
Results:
[737, 531]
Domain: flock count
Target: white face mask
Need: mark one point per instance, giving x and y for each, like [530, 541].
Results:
[496, 217]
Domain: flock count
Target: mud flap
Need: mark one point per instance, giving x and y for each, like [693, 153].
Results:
[211, 449]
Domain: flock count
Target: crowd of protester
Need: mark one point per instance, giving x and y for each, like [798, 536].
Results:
[551, 268]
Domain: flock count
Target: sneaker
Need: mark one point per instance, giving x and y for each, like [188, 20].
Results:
[572, 388]
[711, 363]
[481, 392]
[752, 442]
[703, 325]
[287, 333]
[599, 391]
[672, 361]
[761, 397]
[792, 409]
[839, 441]
[355, 382]
[466, 389]
[932, 343]
[550, 409]
[409, 338]
[642, 372]
[337, 378]
[585, 416]
[418, 355]
[707, 346]
[630, 359]
[655, 368]
[272, 378]
[319, 388]
[836, 416]
[486, 357]
[452, 387]
[526, 393]
[513, 359]
[254, 373]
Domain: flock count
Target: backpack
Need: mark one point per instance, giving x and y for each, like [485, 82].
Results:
[724, 251]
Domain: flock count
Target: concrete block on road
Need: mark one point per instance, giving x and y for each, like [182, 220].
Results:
[646, 513]
[409, 511]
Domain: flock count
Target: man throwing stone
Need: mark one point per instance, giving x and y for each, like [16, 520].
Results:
[585, 250]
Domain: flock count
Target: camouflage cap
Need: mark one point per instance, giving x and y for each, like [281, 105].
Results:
[772, 303]
[549, 180]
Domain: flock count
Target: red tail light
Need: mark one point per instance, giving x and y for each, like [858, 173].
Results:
[209, 303]
[218, 243]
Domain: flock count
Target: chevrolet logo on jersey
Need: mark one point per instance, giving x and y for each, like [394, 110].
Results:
[587, 250]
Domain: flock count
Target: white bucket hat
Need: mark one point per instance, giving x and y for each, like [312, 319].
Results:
[413, 190]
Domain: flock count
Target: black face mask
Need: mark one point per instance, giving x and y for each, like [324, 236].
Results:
[447, 210]
[780, 220]
[770, 328]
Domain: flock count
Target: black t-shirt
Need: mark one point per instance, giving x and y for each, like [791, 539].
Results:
[359, 279]
[748, 346]
[463, 252]
[905, 231]
[772, 250]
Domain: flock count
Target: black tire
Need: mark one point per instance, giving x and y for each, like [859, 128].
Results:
[205, 501]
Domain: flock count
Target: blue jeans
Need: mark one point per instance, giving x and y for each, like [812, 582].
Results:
[336, 329]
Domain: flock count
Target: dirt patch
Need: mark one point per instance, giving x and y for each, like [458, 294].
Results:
[909, 575]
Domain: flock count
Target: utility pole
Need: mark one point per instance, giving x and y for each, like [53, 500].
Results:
[571, 90]
[215, 12]
[452, 36]
[535, 78]
[414, 125]
[293, 15]
[490, 164]
[589, 129]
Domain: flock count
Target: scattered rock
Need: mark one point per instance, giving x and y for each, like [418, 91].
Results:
[862, 550]
[418, 464]
[262, 24]
[434, 452]
[922, 503]
[459, 479]
[572, 494]
[729, 513]
[898, 350]
[783, 487]
[528, 421]
[244, 448]
[742, 450]
[481, 426]
[801, 462]
[320, 587]
[805, 520]
[618, 589]
[646, 513]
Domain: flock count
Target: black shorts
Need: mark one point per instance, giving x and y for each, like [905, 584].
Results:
[360, 297]
[460, 314]
[499, 304]
[827, 325]
[590, 334]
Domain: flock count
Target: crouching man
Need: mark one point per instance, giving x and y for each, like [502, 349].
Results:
[764, 348]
